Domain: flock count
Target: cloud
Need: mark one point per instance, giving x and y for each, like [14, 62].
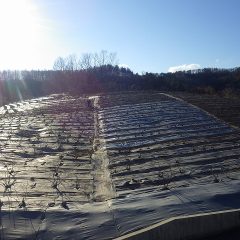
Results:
[123, 66]
[184, 67]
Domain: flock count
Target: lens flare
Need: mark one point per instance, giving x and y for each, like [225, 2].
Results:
[20, 29]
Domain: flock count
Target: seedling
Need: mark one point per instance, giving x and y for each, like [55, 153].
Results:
[22, 204]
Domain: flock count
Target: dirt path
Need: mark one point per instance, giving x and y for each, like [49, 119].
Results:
[103, 185]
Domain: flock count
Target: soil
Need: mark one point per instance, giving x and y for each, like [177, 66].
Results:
[227, 109]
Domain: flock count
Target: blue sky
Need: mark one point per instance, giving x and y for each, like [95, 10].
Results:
[147, 35]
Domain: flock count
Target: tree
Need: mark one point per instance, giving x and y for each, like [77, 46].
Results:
[59, 64]
[71, 62]
[100, 59]
[113, 59]
[86, 61]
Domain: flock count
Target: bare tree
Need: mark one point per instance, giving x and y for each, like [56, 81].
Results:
[105, 58]
[86, 61]
[96, 60]
[71, 62]
[113, 58]
[59, 64]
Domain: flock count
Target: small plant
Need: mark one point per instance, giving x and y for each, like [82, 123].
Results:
[215, 176]
[34, 148]
[60, 147]
[1, 205]
[64, 205]
[216, 179]
[22, 204]
[128, 167]
[9, 179]
[51, 204]
[166, 178]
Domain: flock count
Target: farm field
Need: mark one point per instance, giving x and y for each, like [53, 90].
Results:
[97, 167]
[227, 109]
[166, 142]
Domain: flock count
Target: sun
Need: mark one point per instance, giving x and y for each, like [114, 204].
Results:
[19, 27]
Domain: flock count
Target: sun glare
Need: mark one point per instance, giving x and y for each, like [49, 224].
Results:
[19, 26]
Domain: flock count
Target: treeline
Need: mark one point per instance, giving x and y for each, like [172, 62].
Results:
[86, 61]
[20, 85]
[100, 78]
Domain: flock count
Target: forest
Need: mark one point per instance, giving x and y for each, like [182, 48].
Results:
[99, 73]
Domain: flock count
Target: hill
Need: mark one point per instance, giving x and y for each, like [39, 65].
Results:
[100, 166]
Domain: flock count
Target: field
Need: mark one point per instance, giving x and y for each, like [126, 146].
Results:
[97, 167]
[227, 109]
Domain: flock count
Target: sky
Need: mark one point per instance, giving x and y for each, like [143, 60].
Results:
[147, 35]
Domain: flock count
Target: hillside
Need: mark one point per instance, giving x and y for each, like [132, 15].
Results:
[97, 167]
